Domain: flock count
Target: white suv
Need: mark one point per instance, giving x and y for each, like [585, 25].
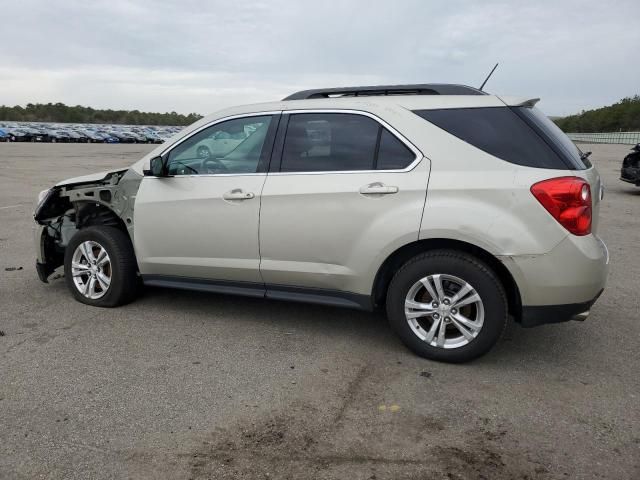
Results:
[452, 208]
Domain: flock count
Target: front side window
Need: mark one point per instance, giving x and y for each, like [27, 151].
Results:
[332, 142]
[233, 146]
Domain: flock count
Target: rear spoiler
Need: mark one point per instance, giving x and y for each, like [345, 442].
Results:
[519, 101]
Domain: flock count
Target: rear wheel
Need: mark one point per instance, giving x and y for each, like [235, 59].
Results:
[447, 305]
[100, 267]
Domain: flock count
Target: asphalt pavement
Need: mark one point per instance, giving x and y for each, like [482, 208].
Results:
[185, 385]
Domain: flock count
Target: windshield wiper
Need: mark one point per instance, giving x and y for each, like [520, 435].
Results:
[584, 155]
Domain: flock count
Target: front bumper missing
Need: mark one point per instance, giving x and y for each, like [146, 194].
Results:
[44, 270]
[47, 259]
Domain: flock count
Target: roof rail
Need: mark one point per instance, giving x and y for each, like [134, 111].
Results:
[378, 90]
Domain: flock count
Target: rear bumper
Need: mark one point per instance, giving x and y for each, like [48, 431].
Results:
[560, 284]
[540, 315]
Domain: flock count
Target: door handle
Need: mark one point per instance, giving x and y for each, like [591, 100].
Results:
[378, 188]
[238, 194]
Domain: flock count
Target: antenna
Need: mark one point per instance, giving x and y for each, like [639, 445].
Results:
[488, 76]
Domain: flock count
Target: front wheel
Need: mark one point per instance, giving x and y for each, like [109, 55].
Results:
[447, 305]
[100, 267]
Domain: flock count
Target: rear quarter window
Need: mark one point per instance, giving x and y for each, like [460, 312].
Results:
[554, 136]
[498, 131]
[392, 153]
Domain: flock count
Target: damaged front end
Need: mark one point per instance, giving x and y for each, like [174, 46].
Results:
[86, 201]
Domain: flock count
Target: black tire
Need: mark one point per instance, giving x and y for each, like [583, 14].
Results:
[124, 284]
[465, 267]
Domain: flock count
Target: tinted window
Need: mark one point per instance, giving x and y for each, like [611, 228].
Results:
[234, 146]
[553, 134]
[497, 131]
[393, 154]
[326, 142]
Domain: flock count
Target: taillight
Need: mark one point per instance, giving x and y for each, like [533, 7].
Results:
[568, 200]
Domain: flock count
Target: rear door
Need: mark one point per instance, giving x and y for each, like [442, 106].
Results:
[344, 190]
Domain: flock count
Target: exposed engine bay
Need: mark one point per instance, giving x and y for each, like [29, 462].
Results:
[66, 208]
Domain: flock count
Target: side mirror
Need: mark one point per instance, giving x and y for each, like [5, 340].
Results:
[156, 167]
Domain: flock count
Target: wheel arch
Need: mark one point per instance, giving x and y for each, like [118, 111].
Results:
[403, 254]
[94, 214]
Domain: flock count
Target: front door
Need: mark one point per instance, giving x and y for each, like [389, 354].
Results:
[200, 221]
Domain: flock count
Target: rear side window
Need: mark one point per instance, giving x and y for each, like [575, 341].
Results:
[498, 131]
[331, 142]
[393, 154]
[557, 138]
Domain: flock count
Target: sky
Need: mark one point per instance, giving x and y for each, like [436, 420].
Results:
[201, 56]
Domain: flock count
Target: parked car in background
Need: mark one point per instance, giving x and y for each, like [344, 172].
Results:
[32, 134]
[76, 136]
[79, 133]
[630, 171]
[106, 137]
[151, 136]
[452, 209]
[218, 144]
[17, 135]
[59, 136]
[43, 133]
[92, 136]
[122, 136]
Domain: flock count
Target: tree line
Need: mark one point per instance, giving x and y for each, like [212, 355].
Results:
[61, 113]
[621, 116]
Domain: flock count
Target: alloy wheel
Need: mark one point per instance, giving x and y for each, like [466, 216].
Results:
[444, 311]
[91, 269]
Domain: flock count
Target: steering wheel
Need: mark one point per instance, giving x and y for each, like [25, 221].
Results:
[213, 165]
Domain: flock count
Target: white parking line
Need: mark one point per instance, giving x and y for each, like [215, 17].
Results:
[12, 206]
